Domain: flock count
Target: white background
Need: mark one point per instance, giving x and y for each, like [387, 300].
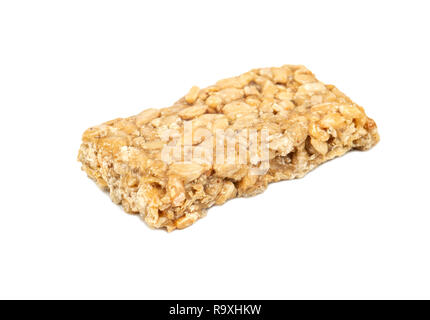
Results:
[357, 227]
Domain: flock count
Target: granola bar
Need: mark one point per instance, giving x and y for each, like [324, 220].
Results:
[228, 140]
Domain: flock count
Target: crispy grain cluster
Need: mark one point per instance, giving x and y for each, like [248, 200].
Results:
[308, 123]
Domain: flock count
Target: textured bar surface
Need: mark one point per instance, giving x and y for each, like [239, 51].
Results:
[308, 123]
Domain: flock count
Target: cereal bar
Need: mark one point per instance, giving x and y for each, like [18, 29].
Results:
[228, 140]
